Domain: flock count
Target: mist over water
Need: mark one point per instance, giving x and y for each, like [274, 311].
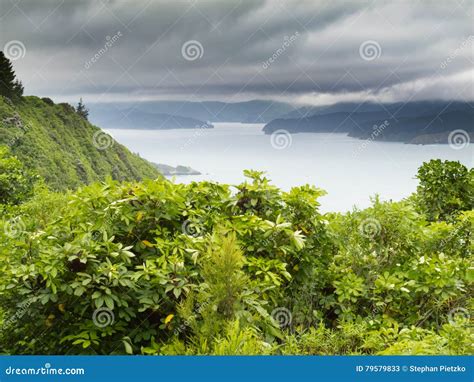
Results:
[350, 170]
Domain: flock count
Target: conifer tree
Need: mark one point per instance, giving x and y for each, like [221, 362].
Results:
[82, 110]
[9, 86]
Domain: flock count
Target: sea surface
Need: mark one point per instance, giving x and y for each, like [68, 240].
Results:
[350, 170]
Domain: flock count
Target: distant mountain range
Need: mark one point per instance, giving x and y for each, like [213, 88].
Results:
[184, 114]
[406, 109]
[415, 122]
[412, 122]
[137, 119]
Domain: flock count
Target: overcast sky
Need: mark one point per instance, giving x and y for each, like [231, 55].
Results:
[315, 52]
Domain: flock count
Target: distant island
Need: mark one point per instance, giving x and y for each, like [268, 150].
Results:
[168, 170]
[414, 122]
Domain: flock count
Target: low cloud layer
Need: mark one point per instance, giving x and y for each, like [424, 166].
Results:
[314, 52]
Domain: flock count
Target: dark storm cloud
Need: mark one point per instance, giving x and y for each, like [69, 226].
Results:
[301, 51]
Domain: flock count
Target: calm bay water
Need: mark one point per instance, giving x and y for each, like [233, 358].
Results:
[350, 170]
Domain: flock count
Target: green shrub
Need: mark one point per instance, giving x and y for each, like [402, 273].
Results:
[16, 182]
[154, 267]
[445, 189]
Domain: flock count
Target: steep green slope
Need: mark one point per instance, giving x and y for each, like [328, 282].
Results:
[65, 149]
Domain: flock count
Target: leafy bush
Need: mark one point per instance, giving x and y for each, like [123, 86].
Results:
[162, 268]
[16, 182]
[445, 189]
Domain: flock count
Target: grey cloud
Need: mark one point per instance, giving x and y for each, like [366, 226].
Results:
[239, 38]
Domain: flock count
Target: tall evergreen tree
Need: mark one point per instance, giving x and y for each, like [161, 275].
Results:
[82, 110]
[9, 86]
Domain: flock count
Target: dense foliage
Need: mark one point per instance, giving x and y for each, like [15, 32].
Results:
[61, 146]
[154, 267]
[16, 182]
[445, 189]
[10, 86]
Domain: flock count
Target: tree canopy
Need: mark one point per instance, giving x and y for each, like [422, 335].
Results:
[82, 110]
[10, 86]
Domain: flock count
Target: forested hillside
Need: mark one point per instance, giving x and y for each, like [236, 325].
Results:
[63, 147]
